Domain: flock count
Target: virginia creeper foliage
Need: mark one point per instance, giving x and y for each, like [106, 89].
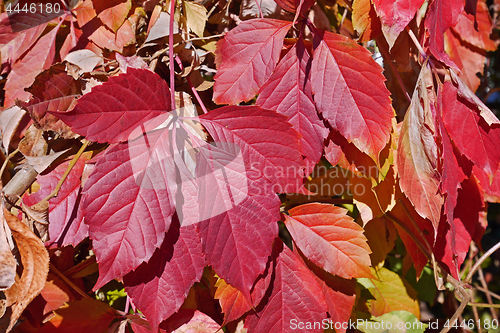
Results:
[255, 166]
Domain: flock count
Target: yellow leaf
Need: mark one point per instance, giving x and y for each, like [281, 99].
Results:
[196, 17]
[391, 293]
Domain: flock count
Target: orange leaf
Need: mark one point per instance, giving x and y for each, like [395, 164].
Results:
[330, 239]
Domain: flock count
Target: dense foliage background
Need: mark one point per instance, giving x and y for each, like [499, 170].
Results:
[249, 166]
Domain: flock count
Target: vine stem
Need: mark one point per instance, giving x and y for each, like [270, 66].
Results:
[171, 54]
[193, 89]
[488, 296]
[66, 173]
[457, 313]
[476, 316]
[487, 291]
[398, 77]
[416, 42]
[480, 261]
[127, 304]
[260, 10]
[68, 282]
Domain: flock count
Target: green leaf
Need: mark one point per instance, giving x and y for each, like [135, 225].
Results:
[390, 293]
[113, 295]
[393, 322]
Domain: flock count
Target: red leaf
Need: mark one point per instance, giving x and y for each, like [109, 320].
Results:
[53, 90]
[23, 72]
[62, 207]
[340, 296]
[395, 16]
[296, 298]
[292, 5]
[481, 37]
[491, 190]
[405, 212]
[192, 321]
[114, 14]
[127, 216]
[455, 240]
[271, 153]
[54, 297]
[160, 286]
[113, 110]
[266, 141]
[84, 316]
[232, 301]
[469, 60]
[442, 15]
[349, 91]
[473, 137]
[330, 239]
[226, 238]
[6, 32]
[288, 91]
[452, 176]
[24, 41]
[246, 59]
[417, 158]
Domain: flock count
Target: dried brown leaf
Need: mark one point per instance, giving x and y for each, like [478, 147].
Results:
[85, 60]
[9, 120]
[33, 144]
[7, 260]
[40, 163]
[35, 260]
[3, 303]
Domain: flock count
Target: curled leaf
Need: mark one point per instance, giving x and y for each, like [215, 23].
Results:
[7, 261]
[33, 144]
[9, 120]
[35, 260]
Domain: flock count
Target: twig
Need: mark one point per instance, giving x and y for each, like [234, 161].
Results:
[171, 54]
[457, 313]
[476, 315]
[203, 38]
[484, 305]
[398, 77]
[480, 261]
[488, 296]
[66, 173]
[417, 241]
[18, 184]
[82, 265]
[487, 291]
[470, 258]
[416, 42]
[68, 282]
[344, 14]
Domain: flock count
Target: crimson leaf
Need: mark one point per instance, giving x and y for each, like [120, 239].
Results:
[245, 59]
